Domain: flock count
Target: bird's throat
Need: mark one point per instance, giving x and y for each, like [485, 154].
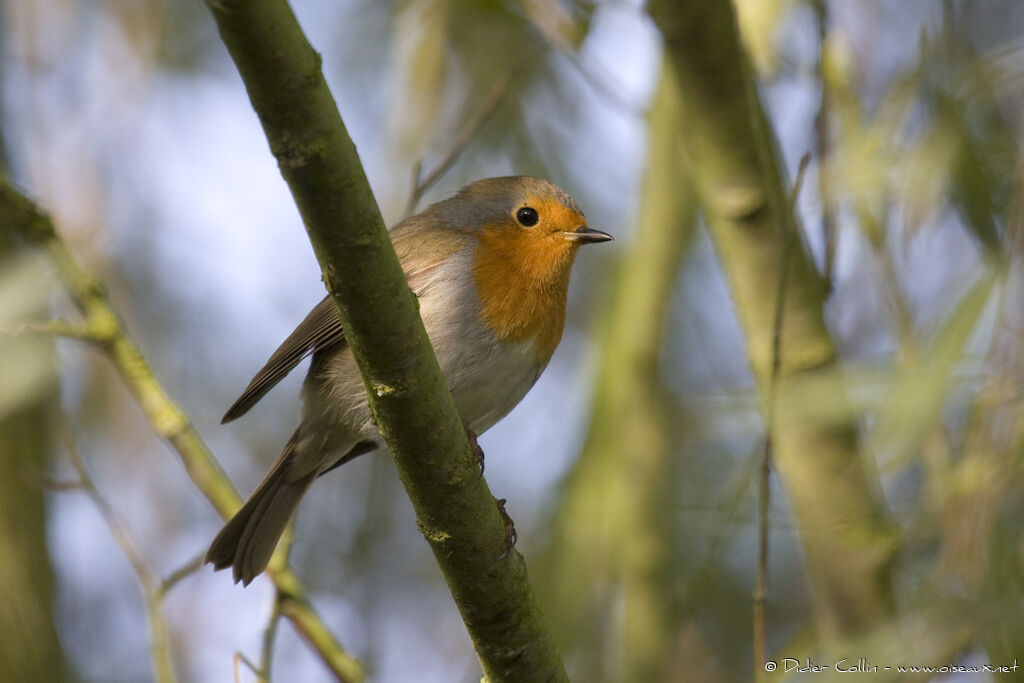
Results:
[522, 284]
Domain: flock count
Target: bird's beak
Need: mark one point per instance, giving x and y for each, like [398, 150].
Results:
[587, 236]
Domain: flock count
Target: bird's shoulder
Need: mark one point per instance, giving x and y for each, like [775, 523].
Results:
[423, 245]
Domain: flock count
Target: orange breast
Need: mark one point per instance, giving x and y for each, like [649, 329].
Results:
[522, 278]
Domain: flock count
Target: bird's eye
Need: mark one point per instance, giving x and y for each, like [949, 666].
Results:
[527, 217]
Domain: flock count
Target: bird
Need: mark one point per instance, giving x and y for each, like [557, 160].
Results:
[490, 268]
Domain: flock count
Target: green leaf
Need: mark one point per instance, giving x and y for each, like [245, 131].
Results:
[920, 389]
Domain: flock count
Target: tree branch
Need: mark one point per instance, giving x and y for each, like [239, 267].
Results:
[411, 404]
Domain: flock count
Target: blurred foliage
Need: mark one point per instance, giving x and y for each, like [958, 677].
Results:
[611, 510]
[921, 157]
[447, 56]
[758, 20]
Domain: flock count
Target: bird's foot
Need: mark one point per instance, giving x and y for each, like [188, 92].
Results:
[510, 527]
[478, 453]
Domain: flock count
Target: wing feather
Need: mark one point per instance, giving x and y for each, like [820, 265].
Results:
[321, 329]
[421, 248]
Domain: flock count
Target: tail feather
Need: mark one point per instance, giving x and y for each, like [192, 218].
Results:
[248, 540]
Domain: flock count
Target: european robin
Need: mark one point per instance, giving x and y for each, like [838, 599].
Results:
[490, 267]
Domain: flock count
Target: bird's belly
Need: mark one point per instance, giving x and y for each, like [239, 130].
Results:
[489, 380]
[487, 377]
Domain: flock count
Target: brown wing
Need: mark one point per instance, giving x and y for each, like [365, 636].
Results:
[420, 249]
[320, 330]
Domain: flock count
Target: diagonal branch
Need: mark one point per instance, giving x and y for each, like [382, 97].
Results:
[19, 215]
[409, 398]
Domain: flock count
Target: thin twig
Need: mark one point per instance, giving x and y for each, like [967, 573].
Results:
[764, 488]
[187, 569]
[761, 582]
[237, 661]
[269, 635]
[465, 136]
[278, 562]
[610, 90]
[113, 521]
[798, 186]
[822, 135]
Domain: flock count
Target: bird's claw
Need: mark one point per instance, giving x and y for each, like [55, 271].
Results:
[478, 453]
[510, 527]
